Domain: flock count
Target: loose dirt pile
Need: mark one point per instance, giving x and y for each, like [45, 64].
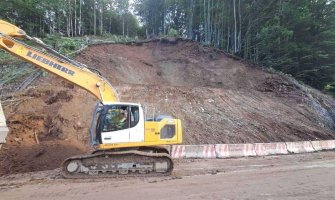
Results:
[219, 99]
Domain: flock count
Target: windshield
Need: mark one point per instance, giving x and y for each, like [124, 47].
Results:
[119, 117]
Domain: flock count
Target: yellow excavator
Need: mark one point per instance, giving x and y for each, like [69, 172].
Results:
[126, 144]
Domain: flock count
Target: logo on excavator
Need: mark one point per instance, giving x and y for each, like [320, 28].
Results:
[50, 63]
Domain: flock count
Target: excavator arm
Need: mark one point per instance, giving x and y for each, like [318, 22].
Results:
[55, 63]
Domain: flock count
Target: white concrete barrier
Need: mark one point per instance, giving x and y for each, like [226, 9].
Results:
[299, 147]
[178, 151]
[243, 150]
[323, 145]
[264, 149]
[200, 151]
[3, 127]
[234, 150]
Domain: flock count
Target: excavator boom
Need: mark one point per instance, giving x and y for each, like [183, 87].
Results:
[77, 73]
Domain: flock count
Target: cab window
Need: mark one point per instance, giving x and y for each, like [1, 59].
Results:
[116, 118]
[168, 131]
[134, 116]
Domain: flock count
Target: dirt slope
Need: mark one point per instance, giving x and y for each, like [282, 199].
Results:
[219, 99]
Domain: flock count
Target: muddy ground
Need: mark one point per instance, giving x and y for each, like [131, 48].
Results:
[218, 98]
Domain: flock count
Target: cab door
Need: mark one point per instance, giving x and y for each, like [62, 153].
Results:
[115, 128]
[136, 124]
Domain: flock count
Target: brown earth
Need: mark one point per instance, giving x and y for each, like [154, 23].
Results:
[219, 99]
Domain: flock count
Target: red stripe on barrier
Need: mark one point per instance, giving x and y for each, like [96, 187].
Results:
[323, 145]
[299, 147]
[178, 151]
[264, 149]
[209, 151]
[234, 150]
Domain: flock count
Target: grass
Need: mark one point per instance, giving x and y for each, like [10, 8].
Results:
[8, 59]
[10, 74]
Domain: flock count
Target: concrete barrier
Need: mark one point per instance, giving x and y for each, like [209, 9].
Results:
[265, 149]
[323, 145]
[234, 150]
[200, 151]
[3, 127]
[299, 147]
[178, 151]
[243, 150]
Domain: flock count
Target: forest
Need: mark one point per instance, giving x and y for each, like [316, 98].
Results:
[294, 37]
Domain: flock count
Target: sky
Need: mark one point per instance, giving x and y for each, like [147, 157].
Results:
[131, 7]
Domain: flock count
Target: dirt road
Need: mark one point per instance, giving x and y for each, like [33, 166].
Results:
[304, 176]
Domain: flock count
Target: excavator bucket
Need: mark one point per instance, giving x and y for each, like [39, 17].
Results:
[11, 30]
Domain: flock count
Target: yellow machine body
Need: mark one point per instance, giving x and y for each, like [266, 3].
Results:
[152, 136]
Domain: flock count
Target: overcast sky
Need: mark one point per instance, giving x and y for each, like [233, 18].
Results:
[131, 7]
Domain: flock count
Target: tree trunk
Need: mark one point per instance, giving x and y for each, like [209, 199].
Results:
[122, 26]
[75, 17]
[68, 30]
[71, 19]
[208, 22]
[50, 22]
[79, 28]
[205, 22]
[101, 20]
[240, 31]
[235, 29]
[190, 20]
[110, 24]
[40, 26]
[94, 18]
[228, 27]
[164, 25]
[228, 36]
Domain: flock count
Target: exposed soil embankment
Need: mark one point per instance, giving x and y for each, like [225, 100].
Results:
[219, 99]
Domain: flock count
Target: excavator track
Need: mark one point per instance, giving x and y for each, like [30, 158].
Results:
[106, 164]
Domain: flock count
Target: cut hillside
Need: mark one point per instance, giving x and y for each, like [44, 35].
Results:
[219, 100]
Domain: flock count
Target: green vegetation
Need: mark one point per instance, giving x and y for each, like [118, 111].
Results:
[9, 74]
[7, 59]
[64, 45]
[173, 33]
[71, 18]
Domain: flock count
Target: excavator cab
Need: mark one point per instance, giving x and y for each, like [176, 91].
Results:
[122, 125]
[118, 123]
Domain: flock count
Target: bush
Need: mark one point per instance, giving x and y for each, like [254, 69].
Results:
[63, 44]
[330, 88]
[173, 33]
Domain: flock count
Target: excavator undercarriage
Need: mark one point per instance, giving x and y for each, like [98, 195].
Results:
[152, 161]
